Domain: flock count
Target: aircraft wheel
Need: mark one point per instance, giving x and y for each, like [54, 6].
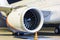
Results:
[57, 30]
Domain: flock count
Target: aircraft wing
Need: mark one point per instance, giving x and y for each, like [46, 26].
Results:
[6, 9]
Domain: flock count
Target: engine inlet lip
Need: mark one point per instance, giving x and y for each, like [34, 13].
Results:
[39, 26]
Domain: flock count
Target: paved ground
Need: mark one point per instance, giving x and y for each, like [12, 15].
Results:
[8, 36]
[49, 35]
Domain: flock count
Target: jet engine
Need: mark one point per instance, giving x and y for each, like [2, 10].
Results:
[25, 19]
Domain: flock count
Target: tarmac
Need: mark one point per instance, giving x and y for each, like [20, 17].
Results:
[7, 35]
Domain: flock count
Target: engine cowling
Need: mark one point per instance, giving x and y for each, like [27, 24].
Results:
[25, 19]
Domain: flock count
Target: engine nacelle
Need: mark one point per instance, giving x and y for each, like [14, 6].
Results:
[25, 19]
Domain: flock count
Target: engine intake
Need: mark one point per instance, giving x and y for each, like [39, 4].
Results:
[31, 19]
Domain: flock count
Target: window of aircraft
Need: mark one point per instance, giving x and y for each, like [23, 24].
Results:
[12, 1]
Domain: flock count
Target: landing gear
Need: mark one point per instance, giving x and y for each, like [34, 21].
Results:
[57, 30]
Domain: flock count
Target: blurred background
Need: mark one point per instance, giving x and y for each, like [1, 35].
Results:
[2, 22]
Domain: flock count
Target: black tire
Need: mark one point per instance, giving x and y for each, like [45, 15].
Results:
[57, 30]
